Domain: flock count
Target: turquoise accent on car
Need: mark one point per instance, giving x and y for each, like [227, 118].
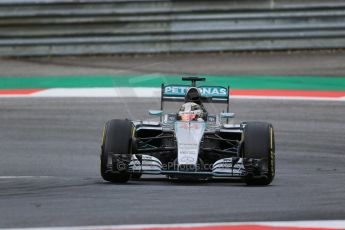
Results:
[205, 91]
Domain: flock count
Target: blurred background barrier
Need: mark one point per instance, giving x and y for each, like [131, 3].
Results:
[73, 27]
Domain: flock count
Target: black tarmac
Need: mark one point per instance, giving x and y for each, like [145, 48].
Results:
[49, 168]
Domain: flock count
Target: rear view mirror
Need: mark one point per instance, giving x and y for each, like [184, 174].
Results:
[155, 112]
[227, 115]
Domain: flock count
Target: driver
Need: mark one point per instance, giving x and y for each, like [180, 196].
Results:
[190, 111]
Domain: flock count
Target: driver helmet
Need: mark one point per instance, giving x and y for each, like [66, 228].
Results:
[190, 111]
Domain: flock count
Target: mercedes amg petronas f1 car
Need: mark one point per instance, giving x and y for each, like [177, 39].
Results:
[191, 143]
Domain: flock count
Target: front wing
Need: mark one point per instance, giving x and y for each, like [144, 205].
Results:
[226, 167]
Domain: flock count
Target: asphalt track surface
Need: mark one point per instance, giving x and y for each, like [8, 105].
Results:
[49, 168]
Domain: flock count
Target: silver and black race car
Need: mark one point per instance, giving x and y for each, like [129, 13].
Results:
[189, 145]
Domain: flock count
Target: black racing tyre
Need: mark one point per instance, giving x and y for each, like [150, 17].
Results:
[116, 140]
[136, 175]
[259, 144]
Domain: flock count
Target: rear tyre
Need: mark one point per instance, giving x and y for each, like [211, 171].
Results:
[259, 152]
[116, 140]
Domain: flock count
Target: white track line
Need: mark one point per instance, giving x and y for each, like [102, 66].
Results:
[99, 92]
[23, 177]
[142, 92]
[330, 224]
[290, 98]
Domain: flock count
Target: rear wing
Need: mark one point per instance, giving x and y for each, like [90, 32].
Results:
[211, 94]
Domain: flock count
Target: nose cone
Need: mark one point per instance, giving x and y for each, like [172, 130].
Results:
[188, 136]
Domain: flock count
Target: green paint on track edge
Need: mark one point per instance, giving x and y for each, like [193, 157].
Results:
[155, 80]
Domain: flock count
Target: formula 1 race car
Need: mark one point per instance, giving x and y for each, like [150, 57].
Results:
[191, 143]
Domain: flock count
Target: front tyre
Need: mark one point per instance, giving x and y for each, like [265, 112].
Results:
[116, 141]
[136, 176]
[259, 152]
